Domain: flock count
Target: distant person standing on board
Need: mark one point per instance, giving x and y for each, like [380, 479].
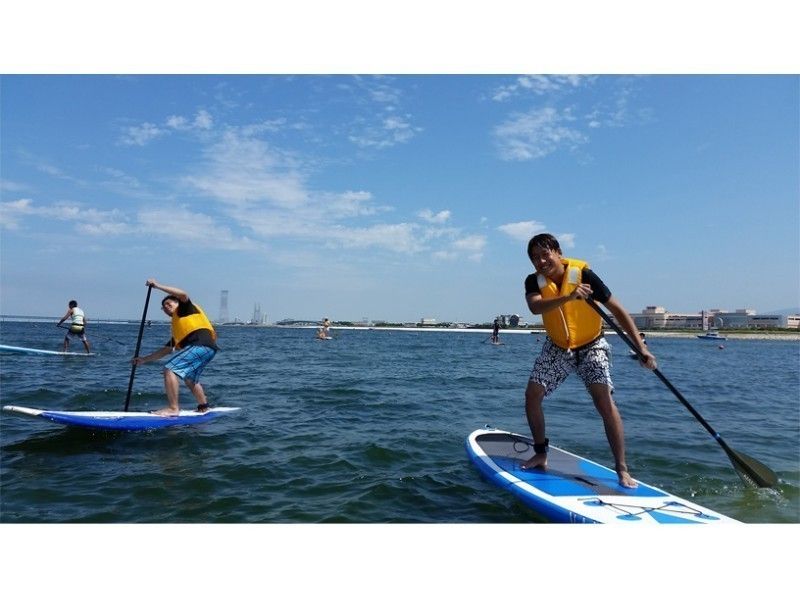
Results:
[324, 332]
[77, 325]
[193, 345]
[496, 331]
[575, 343]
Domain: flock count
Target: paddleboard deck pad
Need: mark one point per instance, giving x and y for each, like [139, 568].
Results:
[31, 351]
[576, 490]
[122, 420]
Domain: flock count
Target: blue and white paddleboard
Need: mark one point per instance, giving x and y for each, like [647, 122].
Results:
[576, 490]
[122, 420]
[30, 351]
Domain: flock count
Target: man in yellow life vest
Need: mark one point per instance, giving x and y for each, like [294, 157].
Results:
[558, 291]
[193, 345]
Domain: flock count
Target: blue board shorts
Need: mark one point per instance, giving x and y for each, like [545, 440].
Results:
[188, 363]
[554, 364]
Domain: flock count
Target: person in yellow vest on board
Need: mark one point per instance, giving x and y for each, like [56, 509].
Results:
[558, 291]
[193, 345]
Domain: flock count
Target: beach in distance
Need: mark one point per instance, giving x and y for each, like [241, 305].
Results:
[737, 334]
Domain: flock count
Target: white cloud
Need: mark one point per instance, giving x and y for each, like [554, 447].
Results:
[348, 204]
[602, 254]
[183, 225]
[177, 122]
[522, 231]
[540, 85]
[438, 218]
[141, 134]
[89, 220]
[396, 237]
[389, 132]
[537, 133]
[566, 240]
[203, 120]
[241, 170]
[471, 247]
[11, 212]
[381, 124]
[472, 244]
[12, 187]
[103, 229]
[146, 132]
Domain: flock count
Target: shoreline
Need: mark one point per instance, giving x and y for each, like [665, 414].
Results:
[733, 335]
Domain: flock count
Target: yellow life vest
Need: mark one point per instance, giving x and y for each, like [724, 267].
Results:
[183, 326]
[575, 323]
[77, 324]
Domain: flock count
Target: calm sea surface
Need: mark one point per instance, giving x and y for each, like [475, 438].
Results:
[370, 427]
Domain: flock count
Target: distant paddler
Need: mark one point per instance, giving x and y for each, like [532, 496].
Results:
[496, 331]
[193, 345]
[77, 325]
[324, 329]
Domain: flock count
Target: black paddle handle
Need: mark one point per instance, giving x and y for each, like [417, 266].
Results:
[138, 346]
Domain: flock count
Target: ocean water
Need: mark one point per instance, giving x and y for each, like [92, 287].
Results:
[370, 427]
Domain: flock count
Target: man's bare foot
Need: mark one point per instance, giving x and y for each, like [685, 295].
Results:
[538, 460]
[625, 479]
[166, 411]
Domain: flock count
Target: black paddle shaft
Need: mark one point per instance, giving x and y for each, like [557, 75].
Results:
[750, 469]
[138, 346]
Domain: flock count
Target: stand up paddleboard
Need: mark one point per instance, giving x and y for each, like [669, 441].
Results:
[122, 420]
[576, 490]
[30, 351]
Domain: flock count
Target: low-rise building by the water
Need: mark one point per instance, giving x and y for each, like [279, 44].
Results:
[655, 317]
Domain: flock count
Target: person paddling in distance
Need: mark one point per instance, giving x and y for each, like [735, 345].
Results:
[558, 291]
[323, 332]
[77, 326]
[496, 331]
[193, 345]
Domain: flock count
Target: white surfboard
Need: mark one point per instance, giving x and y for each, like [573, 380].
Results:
[32, 351]
[121, 420]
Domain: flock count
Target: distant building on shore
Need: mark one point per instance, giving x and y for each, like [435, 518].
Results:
[655, 317]
[509, 320]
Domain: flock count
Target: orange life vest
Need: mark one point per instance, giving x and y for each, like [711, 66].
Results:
[575, 323]
[183, 326]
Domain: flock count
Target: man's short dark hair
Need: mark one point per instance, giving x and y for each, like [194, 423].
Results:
[73, 303]
[543, 241]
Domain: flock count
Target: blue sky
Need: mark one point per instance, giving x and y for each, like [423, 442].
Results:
[395, 197]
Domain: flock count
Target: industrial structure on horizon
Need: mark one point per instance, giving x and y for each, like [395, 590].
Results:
[652, 317]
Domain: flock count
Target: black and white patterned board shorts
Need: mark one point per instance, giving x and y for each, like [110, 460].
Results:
[554, 364]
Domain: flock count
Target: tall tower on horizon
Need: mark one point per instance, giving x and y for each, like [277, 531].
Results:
[223, 307]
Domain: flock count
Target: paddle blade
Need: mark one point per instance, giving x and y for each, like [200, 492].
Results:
[752, 471]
